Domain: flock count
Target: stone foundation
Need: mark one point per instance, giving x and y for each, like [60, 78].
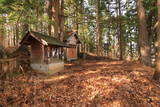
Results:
[49, 68]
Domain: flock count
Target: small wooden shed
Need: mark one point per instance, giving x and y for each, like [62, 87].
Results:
[46, 52]
[72, 40]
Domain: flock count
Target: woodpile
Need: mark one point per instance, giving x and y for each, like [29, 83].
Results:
[23, 57]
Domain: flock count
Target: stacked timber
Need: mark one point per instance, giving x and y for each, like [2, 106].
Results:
[23, 56]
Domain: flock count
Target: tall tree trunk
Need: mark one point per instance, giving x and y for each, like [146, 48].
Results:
[58, 16]
[121, 39]
[62, 20]
[98, 27]
[130, 46]
[17, 32]
[157, 72]
[1, 38]
[143, 33]
[50, 13]
[77, 21]
[1, 32]
[37, 14]
[56, 10]
[13, 36]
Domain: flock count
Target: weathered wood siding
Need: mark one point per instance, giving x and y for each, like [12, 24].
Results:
[37, 52]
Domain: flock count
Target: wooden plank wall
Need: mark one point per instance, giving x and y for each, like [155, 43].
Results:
[37, 53]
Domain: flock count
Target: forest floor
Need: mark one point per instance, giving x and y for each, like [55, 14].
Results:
[84, 83]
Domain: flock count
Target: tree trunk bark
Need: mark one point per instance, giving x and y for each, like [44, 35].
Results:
[62, 20]
[37, 15]
[17, 32]
[121, 43]
[50, 16]
[143, 33]
[56, 10]
[98, 27]
[1, 32]
[157, 70]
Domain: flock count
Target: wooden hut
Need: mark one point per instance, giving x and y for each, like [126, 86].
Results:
[46, 52]
[72, 40]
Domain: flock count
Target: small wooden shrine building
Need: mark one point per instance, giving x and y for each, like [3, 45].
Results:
[72, 40]
[46, 52]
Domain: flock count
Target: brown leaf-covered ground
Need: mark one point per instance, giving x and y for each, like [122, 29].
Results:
[85, 83]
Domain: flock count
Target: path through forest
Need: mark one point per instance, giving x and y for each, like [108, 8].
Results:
[84, 83]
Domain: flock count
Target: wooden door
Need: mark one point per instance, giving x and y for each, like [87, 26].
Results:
[72, 54]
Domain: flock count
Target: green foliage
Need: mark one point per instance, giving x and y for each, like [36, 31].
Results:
[150, 5]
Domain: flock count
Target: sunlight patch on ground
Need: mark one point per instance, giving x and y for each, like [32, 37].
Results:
[121, 79]
[95, 90]
[97, 86]
[68, 64]
[101, 63]
[93, 93]
[137, 73]
[91, 72]
[99, 78]
[57, 78]
[137, 69]
[115, 62]
[116, 103]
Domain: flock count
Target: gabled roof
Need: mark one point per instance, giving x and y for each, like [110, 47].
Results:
[44, 39]
[69, 34]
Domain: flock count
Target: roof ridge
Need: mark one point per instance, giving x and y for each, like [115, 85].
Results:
[44, 37]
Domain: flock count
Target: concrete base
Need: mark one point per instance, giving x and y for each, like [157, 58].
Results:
[72, 59]
[49, 68]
